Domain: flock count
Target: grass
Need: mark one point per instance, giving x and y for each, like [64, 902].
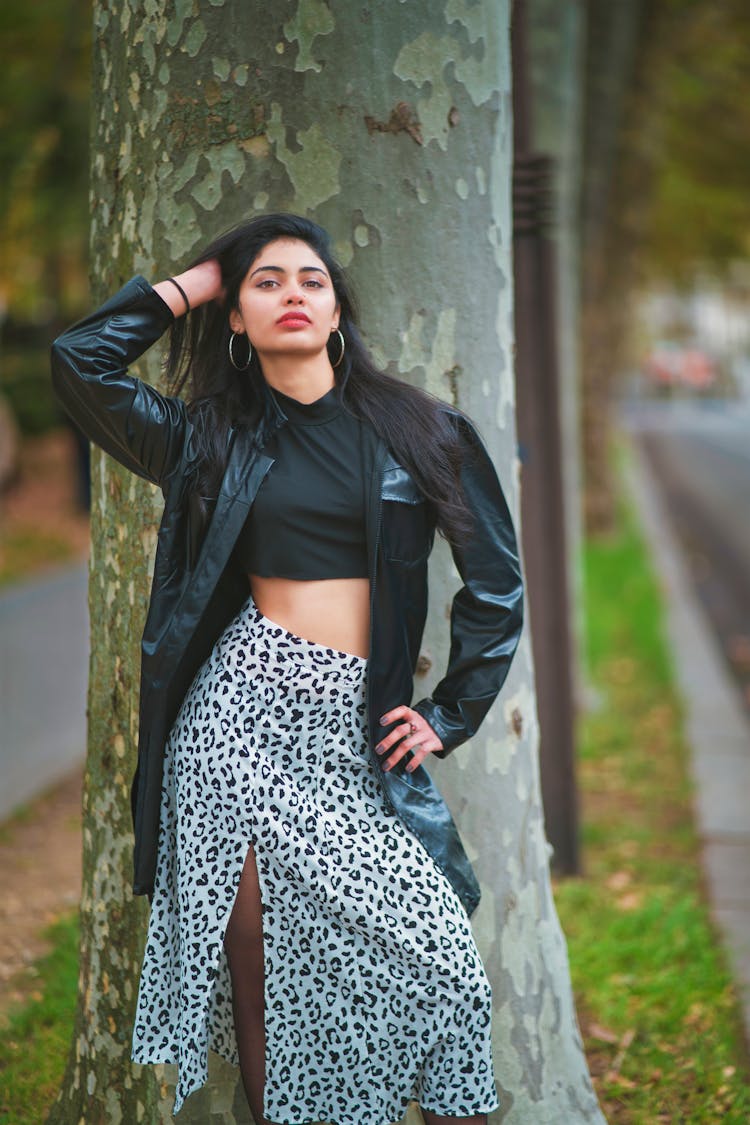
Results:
[26, 551]
[34, 1042]
[657, 1006]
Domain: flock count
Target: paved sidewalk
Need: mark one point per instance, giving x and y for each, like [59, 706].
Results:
[44, 663]
[717, 729]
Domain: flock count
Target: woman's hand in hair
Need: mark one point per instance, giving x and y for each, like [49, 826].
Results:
[200, 284]
[412, 733]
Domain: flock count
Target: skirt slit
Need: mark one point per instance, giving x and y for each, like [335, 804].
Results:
[375, 994]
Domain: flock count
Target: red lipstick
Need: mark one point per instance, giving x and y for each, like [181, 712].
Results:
[296, 317]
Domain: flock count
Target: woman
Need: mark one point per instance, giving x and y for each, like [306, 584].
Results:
[309, 892]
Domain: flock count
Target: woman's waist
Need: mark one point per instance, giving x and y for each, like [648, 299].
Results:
[334, 612]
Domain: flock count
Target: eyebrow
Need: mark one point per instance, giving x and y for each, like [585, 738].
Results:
[280, 269]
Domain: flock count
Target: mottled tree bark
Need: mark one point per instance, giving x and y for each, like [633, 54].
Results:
[390, 124]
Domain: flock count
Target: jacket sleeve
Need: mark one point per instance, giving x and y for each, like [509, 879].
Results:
[141, 428]
[487, 612]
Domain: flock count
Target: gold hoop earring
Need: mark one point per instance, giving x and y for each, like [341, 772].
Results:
[232, 360]
[343, 346]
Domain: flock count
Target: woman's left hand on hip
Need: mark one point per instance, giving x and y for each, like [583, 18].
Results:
[412, 733]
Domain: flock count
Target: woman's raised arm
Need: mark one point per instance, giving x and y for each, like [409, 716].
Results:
[198, 285]
[141, 428]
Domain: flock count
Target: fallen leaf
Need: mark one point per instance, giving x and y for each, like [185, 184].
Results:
[614, 1071]
[620, 1080]
[630, 902]
[618, 880]
[596, 1031]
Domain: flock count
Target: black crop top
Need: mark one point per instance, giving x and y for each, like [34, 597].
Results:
[308, 519]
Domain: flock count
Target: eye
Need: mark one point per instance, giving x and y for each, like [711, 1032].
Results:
[312, 281]
[266, 283]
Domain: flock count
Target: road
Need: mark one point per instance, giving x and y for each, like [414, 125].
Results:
[43, 674]
[700, 453]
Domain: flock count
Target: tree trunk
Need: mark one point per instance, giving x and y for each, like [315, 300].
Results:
[623, 69]
[390, 125]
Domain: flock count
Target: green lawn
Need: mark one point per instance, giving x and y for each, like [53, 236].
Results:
[657, 1006]
[34, 1044]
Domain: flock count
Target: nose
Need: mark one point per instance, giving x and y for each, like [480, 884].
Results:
[295, 294]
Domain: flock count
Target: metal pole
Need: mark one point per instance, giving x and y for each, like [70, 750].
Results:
[542, 495]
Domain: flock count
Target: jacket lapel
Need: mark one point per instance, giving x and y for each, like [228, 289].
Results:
[374, 453]
[246, 468]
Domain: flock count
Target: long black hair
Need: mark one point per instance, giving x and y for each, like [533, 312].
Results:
[414, 424]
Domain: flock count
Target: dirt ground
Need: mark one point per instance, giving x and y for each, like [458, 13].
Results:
[40, 878]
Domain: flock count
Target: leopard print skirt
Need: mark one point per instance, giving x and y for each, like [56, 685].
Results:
[375, 993]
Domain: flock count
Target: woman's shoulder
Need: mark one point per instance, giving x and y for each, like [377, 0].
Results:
[211, 417]
[460, 426]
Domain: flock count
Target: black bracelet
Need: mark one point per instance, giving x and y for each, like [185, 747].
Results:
[182, 293]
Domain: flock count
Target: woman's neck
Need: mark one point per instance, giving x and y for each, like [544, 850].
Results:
[303, 379]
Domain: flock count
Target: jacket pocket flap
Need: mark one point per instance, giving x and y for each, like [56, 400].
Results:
[399, 485]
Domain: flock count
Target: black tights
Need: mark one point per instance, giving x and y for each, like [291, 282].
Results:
[244, 947]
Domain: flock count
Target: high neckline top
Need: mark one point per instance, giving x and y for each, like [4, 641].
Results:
[308, 518]
[315, 413]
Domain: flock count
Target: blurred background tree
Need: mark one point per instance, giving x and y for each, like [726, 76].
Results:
[664, 181]
[695, 131]
[44, 113]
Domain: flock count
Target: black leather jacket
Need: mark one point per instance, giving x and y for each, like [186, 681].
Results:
[197, 588]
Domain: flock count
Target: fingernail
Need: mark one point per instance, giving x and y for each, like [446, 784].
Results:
[409, 769]
[382, 719]
[379, 749]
